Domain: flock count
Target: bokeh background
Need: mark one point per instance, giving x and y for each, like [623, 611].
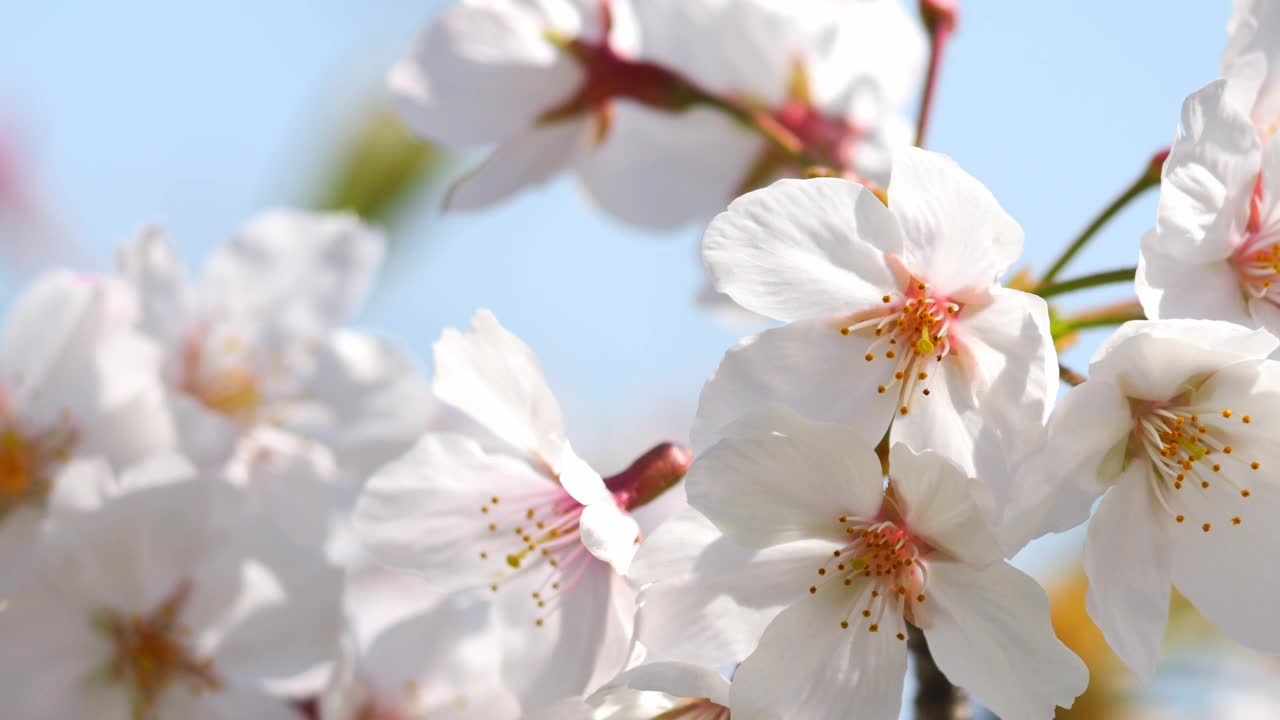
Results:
[197, 115]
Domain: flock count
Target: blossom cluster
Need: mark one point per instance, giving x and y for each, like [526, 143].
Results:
[220, 500]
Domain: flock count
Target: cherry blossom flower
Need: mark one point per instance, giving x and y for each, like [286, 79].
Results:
[441, 659]
[798, 558]
[259, 370]
[1252, 62]
[833, 75]
[512, 508]
[656, 691]
[75, 381]
[1174, 429]
[161, 603]
[1215, 251]
[893, 315]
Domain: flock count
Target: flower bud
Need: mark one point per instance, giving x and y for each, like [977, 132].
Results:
[652, 474]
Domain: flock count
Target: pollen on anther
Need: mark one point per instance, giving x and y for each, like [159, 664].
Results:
[920, 597]
[813, 590]
[875, 593]
[1226, 413]
[1206, 527]
[891, 354]
[868, 357]
[866, 613]
[1245, 493]
[844, 624]
[1180, 518]
[922, 376]
[484, 555]
[844, 331]
[901, 636]
[848, 582]
[904, 410]
[1235, 520]
[1216, 468]
[881, 389]
[874, 628]
[1254, 465]
[493, 527]
[822, 571]
[494, 499]
[885, 299]
[1227, 449]
[538, 622]
[1246, 419]
[1204, 484]
[925, 391]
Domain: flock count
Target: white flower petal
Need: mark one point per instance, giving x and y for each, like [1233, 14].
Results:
[492, 376]
[1226, 572]
[571, 709]
[803, 249]
[1169, 287]
[1253, 60]
[610, 534]
[40, 328]
[228, 703]
[713, 598]
[526, 160]
[423, 511]
[1127, 556]
[764, 490]
[1154, 359]
[1208, 180]
[679, 680]
[806, 365]
[149, 265]
[482, 72]
[308, 271]
[660, 169]
[989, 631]
[807, 666]
[940, 505]
[585, 641]
[956, 237]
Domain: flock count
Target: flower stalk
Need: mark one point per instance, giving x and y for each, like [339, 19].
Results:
[1120, 275]
[940, 18]
[936, 698]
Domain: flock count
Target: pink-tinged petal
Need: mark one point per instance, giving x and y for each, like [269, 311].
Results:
[149, 265]
[711, 599]
[1208, 180]
[610, 534]
[989, 631]
[808, 666]
[1226, 572]
[766, 489]
[1128, 558]
[309, 272]
[526, 160]
[491, 375]
[1264, 314]
[1078, 458]
[940, 505]
[803, 249]
[679, 680]
[430, 510]
[1154, 359]
[1171, 288]
[956, 236]
[571, 709]
[482, 72]
[661, 170]
[808, 366]
[583, 641]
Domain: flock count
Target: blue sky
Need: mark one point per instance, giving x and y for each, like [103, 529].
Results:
[199, 114]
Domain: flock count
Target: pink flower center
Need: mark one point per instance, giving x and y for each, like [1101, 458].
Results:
[912, 333]
[881, 569]
[1256, 258]
[1196, 466]
[151, 654]
[29, 460]
[220, 377]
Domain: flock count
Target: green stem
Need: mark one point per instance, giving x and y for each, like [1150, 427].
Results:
[1148, 179]
[1087, 281]
[1096, 321]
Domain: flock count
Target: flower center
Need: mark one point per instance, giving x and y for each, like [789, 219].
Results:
[1196, 468]
[700, 709]
[881, 568]
[912, 334]
[28, 462]
[151, 654]
[537, 532]
[1257, 258]
[228, 388]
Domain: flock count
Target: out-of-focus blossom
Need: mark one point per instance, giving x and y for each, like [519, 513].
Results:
[512, 508]
[833, 75]
[678, 691]
[163, 603]
[31, 234]
[646, 102]
[75, 381]
[893, 315]
[441, 662]
[1175, 429]
[1215, 251]
[803, 562]
[261, 372]
[1252, 62]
